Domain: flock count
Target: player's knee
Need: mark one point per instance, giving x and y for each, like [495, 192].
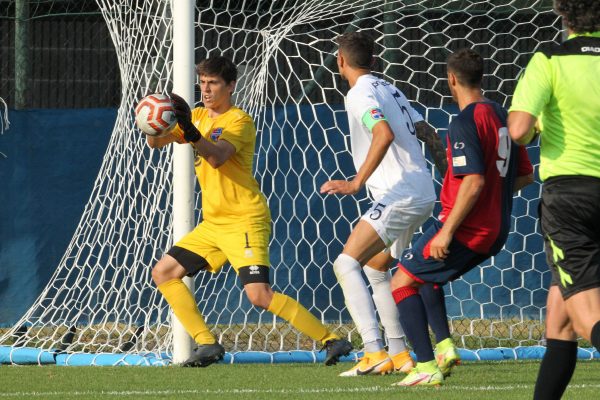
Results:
[562, 332]
[259, 295]
[165, 270]
[582, 328]
[402, 279]
[344, 264]
[158, 273]
[375, 276]
[259, 301]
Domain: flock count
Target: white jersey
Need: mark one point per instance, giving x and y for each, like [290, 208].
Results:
[402, 175]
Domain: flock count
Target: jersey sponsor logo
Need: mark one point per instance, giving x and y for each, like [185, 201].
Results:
[459, 145]
[459, 161]
[589, 49]
[215, 134]
[409, 256]
[377, 114]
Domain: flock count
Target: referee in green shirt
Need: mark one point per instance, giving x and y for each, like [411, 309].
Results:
[559, 95]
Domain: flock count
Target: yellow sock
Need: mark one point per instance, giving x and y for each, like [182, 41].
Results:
[300, 318]
[183, 303]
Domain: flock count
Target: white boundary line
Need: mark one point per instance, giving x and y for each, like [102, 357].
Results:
[370, 389]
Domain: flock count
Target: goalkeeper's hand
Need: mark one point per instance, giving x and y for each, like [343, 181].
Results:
[184, 118]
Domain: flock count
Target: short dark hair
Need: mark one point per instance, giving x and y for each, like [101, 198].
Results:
[357, 48]
[467, 65]
[581, 15]
[218, 66]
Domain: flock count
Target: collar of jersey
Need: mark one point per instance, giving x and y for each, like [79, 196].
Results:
[592, 34]
[366, 76]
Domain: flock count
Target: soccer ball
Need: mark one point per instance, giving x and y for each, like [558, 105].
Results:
[154, 114]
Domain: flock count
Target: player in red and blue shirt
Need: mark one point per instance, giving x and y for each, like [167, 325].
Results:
[478, 143]
[484, 169]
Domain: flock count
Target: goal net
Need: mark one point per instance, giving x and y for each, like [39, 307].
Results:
[101, 307]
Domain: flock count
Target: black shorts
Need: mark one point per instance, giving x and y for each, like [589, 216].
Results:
[570, 220]
[194, 263]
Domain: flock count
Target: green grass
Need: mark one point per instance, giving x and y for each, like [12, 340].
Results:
[480, 380]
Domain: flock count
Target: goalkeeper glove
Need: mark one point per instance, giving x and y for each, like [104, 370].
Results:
[184, 118]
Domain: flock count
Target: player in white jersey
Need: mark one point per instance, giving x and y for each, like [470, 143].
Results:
[389, 161]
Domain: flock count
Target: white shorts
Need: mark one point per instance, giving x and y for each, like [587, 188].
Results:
[396, 222]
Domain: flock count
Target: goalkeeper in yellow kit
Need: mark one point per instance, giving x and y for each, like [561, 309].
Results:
[236, 220]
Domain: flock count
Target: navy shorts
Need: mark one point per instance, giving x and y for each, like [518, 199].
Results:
[422, 268]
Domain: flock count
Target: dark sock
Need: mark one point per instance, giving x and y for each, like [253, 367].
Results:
[556, 369]
[414, 321]
[435, 307]
[596, 336]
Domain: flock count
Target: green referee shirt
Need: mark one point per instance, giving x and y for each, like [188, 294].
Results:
[561, 87]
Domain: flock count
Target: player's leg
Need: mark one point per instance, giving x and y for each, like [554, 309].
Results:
[560, 358]
[261, 295]
[248, 253]
[168, 274]
[379, 277]
[362, 245]
[446, 353]
[584, 311]
[193, 253]
[569, 213]
[397, 225]
[405, 289]
[435, 305]
[386, 223]
[415, 268]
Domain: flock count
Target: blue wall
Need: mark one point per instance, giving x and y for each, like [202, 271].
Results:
[53, 158]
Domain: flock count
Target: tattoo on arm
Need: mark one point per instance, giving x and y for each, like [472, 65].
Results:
[427, 134]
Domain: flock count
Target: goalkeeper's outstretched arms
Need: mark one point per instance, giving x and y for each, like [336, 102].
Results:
[156, 142]
[215, 154]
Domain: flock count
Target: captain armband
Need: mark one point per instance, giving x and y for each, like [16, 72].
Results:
[372, 116]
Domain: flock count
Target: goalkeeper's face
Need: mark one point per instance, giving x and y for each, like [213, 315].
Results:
[216, 93]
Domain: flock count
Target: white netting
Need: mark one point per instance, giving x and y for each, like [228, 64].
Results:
[289, 84]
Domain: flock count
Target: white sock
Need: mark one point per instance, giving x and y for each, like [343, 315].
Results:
[386, 307]
[358, 300]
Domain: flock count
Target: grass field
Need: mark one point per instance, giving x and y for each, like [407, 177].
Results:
[480, 380]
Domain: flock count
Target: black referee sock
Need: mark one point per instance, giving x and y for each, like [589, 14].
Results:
[596, 336]
[556, 369]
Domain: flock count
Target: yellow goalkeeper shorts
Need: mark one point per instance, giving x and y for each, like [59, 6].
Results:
[242, 245]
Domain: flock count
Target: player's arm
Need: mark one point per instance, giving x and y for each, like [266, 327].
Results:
[468, 193]
[382, 138]
[156, 142]
[427, 134]
[215, 154]
[522, 127]
[531, 96]
[524, 170]
[522, 181]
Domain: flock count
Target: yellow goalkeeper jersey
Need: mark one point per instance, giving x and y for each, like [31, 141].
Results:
[230, 194]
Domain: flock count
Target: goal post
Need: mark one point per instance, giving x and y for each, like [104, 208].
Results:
[183, 157]
[100, 307]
